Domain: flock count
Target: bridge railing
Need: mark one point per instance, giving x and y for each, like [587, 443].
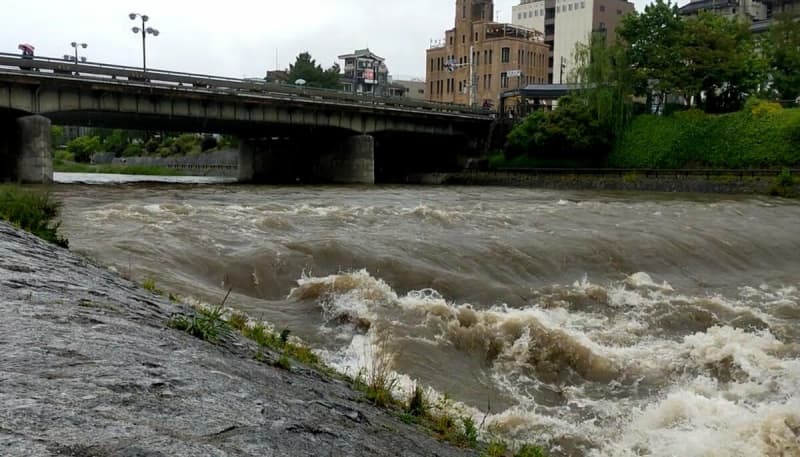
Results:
[121, 74]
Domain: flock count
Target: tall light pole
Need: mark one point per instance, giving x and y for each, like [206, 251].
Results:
[75, 45]
[144, 31]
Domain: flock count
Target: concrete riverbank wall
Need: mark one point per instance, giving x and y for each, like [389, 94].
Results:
[218, 163]
[696, 181]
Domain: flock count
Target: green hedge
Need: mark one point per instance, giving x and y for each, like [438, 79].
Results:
[753, 138]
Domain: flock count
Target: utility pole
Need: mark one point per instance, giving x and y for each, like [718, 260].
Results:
[472, 76]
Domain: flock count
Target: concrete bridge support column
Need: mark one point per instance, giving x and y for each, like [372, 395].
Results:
[272, 161]
[25, 153]
[247, 158]
[351, 161]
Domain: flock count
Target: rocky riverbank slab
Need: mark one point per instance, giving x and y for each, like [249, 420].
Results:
[89, 368]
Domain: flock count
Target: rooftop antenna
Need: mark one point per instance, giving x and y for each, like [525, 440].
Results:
[497, 14]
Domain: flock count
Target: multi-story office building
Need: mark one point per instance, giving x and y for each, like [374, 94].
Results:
[480, 58]
[758, 13]
[568, 22]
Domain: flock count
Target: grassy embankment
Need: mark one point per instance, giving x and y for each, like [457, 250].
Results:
[32, 211]
[148, 170]
[751, 139]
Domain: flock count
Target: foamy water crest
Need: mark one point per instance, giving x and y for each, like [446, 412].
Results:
[586, 372]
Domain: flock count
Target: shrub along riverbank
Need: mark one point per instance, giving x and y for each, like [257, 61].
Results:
[762, 136]
[32, 211]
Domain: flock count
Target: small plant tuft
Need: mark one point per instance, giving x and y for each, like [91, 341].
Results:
[529, 450]
[283, 362]
[208, 325]
[238, 321]
[149, 284]
[470, 432]
[495, 449]
[417, 403]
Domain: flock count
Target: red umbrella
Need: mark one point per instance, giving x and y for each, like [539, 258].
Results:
[26, 47]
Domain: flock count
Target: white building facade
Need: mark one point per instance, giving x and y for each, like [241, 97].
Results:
[566, 23]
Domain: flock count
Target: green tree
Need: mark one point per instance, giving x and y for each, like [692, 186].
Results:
[607, 82]
[781, 47]
[571, 131]
[116, 142]
[306, 68]
[83, 147]
[722, 67]
[57, 136]
[652, 41]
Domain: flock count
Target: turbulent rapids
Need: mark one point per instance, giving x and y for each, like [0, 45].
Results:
[595, 324]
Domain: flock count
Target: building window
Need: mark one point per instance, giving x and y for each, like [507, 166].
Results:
[558, 9]
[619, 12]
[602, 8]
[519, 15]
[464, 11]
[505, 55]
[583, 5]
[463, 39]
[476, 36]
[451, 41]
[602, 26]
[504, 80]
[491, 51]
[490, 82]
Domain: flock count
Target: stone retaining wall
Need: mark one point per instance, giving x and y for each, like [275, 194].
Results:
[219, 163]
[662, 182]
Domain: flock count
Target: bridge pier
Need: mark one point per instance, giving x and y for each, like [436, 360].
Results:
[334, 159]
[351, 161]
[25, 150]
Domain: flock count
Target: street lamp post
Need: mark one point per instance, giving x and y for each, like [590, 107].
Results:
[144, 31]
[75, 45]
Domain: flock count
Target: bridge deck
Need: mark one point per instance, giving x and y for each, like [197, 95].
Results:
[15, 68]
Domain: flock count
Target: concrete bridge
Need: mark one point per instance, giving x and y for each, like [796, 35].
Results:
[287, 133]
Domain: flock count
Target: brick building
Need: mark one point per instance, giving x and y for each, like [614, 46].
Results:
[480, 58]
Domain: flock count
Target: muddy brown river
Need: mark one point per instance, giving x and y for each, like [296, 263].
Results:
[597, 324]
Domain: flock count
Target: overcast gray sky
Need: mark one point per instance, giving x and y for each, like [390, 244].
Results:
[235, 37]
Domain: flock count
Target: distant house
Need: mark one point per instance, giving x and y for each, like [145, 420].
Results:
[411, 88]
[277, 76]
[365, 73]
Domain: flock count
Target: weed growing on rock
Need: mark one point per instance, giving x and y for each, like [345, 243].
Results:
[417, 404]
[529, 450]
[377, 380]
[470, 432]
[284, 363]
[208, 325]
[238, 321]
[498, 448]
[495, 449]
[149, 284]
